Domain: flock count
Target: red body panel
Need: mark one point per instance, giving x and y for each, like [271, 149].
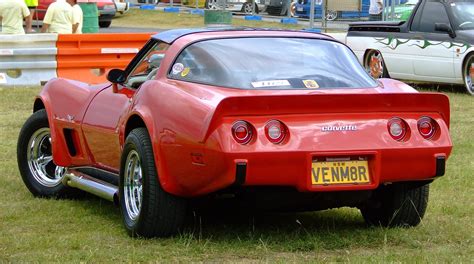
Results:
[188, 120]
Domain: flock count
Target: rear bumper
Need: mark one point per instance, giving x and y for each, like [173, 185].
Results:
[387, 166]
[217, 170]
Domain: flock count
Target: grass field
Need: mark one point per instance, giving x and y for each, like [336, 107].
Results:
[90, 229]
[162, 20]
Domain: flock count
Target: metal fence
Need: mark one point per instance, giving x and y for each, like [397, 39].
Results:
[322, 14]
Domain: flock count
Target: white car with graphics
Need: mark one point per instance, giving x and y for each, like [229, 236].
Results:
[436, 44]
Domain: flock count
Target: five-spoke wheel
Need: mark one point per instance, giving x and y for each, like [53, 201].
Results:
[147, 209]
[133, 188]
[35, 158]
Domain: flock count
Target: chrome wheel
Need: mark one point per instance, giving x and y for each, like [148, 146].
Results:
[374, 65]
[212, 4]
[469, 75]
[293, 9]
[133, 188]
[40, 159]
[331, 15]
[248, 8]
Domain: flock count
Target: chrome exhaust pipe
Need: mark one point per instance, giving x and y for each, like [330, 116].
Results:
[82, 181]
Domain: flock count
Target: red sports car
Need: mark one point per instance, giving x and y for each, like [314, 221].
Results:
[294, 119]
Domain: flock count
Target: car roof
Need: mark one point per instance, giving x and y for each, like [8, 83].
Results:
[169, 36]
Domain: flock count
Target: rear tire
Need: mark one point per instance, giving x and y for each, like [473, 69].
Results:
[375, 65]
[468, 73]
[402, 204]
[35, 159]
[147, 210]
[105, 24]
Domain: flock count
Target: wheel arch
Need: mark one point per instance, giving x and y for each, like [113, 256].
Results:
[38, 105]
[135, 120]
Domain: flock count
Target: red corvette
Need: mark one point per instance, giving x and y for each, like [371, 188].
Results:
[294, 119]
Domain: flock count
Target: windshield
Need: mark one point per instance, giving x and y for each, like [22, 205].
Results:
[271, 63]
[463, 13]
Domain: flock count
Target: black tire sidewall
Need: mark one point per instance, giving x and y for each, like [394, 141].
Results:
[36, 121]
[133, 142]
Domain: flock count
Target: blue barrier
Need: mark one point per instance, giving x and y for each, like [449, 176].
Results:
[197, 12]
[171, 9]
[289, 20]
[147, 7]
[312, 30]
[257, 18]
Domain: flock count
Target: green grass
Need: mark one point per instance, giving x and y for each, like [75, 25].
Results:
[90, 229]
[162, 20]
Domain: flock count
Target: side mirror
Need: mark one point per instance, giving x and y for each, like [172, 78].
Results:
[443, 27]
[116, 76]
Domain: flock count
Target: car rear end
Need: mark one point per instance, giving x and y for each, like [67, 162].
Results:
[332, 142]
[107, 11]
[316, 122]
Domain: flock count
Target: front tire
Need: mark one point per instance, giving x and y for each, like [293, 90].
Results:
[35, 159]
[402, 204]
[147, 210]
[468, 73]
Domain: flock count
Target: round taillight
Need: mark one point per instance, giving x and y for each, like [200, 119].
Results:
[427, 127]
[275, 131]
[397, 128]
[242, 132]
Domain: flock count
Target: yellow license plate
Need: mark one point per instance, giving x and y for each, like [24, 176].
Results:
[340, 172]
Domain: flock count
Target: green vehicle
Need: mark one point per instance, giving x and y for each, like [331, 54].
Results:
[402, 12]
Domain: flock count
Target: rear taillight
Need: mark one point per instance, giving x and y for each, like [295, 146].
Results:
[427, 127]
[242, 132]
[397, 128]
[275, 131]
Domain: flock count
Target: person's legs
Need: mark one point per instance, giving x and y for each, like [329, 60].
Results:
[29, 19]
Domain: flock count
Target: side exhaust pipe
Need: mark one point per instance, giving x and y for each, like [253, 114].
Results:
[82, 181]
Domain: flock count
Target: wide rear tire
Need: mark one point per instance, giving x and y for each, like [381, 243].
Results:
[402, 204]
[147, 210]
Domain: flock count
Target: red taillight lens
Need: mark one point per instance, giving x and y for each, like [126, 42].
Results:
[427, 127]
[242, 132]
[397, 128]
[275, 131]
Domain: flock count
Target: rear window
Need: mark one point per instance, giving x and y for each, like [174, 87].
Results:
[271, 63]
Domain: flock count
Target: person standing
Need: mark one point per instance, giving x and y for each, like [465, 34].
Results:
[77, 17]
[12, 13]
[32, 6]
[58, 18]
[375, 10]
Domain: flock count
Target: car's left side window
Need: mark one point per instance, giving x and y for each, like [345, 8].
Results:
[147, 68]
[433, 12]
